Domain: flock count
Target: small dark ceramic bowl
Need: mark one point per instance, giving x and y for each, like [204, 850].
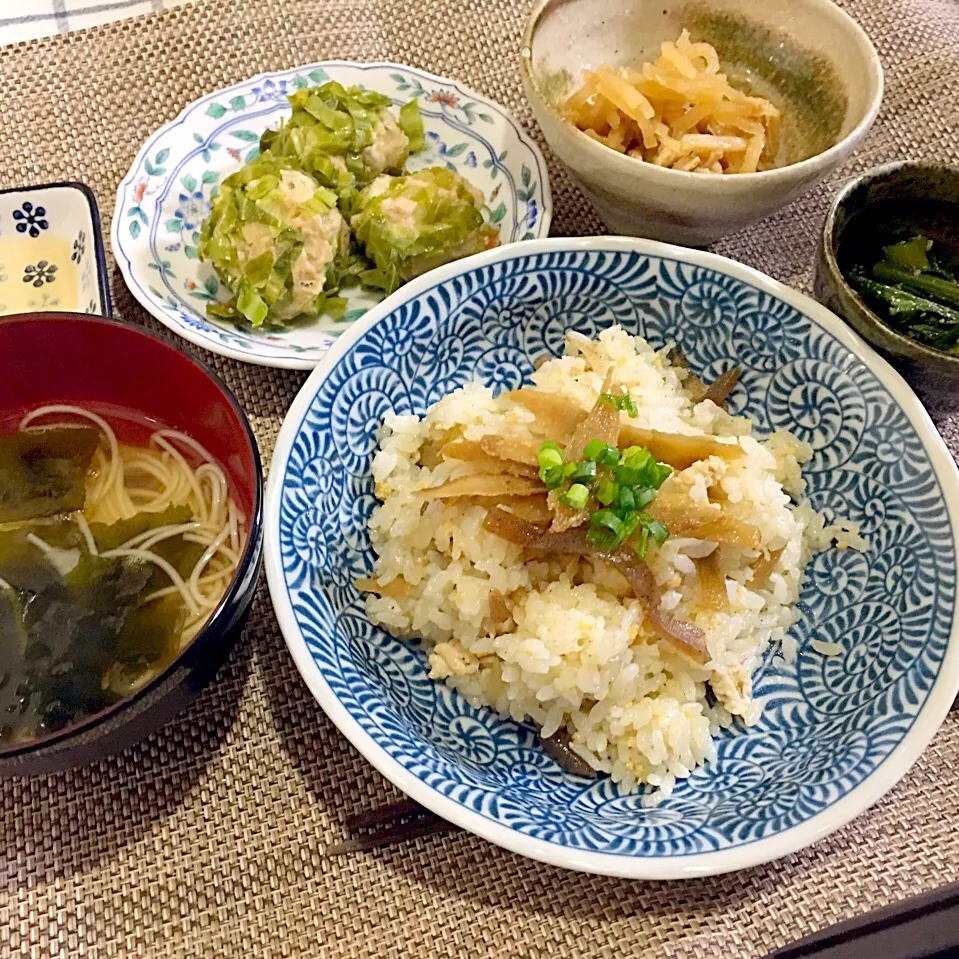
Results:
[69, 358]
[883, 205]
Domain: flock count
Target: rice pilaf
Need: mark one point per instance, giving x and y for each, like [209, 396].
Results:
[562, 640]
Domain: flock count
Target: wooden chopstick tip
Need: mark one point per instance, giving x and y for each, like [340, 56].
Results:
[389, 825]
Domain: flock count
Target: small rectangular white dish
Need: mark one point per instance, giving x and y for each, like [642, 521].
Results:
[51, 251]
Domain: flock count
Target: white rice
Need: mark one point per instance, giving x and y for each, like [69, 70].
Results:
[581, 656]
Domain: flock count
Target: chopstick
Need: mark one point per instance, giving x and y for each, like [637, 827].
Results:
[917, 928]
[390, 825]
[398, 822]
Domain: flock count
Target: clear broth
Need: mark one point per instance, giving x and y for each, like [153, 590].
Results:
[79, 631]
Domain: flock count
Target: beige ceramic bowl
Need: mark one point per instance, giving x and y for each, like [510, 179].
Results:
[808, 56]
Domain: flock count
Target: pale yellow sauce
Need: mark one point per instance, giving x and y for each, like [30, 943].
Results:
[58, 290]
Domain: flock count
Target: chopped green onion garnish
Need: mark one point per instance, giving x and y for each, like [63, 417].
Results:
[624, 491]
[627, 476]
[651, 476]
[663, 472]
[594, 449]
[609, 457]
[606, 492]
[657, 531]
[601, 537]
[547, 464]
[638, 468]
[630, 522]
[584, 473]
[609, 523]
[576, 497]
[636, 457]
[643, 496]
[643, 543]
[553, 477]
[621, 402]
[549, 455]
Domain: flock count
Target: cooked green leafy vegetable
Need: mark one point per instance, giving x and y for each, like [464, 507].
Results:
[934, 284]
[410, 224]
[914, 293]
[911, 254]
[276, 239]
[42, 472]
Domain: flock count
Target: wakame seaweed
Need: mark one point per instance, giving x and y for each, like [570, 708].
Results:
[112, 535]
[42, 472]
[75, 633]
[64, 639]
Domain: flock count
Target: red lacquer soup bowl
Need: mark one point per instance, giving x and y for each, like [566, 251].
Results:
[63, 358]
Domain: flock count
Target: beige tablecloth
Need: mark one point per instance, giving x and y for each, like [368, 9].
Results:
[207, 839]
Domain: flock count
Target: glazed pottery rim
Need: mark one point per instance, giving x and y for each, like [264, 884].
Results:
[898, 343]
[99, 249]
[250, 556]
[665, 175]
[926, 722]
[543, 223]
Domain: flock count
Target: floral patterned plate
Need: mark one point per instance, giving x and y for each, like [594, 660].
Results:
[165, 196]
[836, 732]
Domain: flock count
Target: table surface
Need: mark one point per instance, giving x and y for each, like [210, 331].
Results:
[207, 839]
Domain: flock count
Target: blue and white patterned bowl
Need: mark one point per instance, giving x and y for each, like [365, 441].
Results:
[164, 198]
[836, 733]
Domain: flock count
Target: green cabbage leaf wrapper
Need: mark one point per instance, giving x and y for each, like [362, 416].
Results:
[333, 131]
[414, 223]
[255, 235]
[279, 231]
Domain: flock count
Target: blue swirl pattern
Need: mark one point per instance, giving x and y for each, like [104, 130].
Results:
[829, 722]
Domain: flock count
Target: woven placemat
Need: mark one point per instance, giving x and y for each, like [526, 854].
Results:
[207, 839]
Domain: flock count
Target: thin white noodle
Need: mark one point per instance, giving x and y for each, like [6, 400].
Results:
[87, 535]
[187, 441]
[55, 557]
[234, 522]
[208, 580]
[126, 480]
[217, 482]
[208, 554]
[149, 538]
[149, 466]
[148, 557]
[187, 535]
[222, 548]
[175, 453]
